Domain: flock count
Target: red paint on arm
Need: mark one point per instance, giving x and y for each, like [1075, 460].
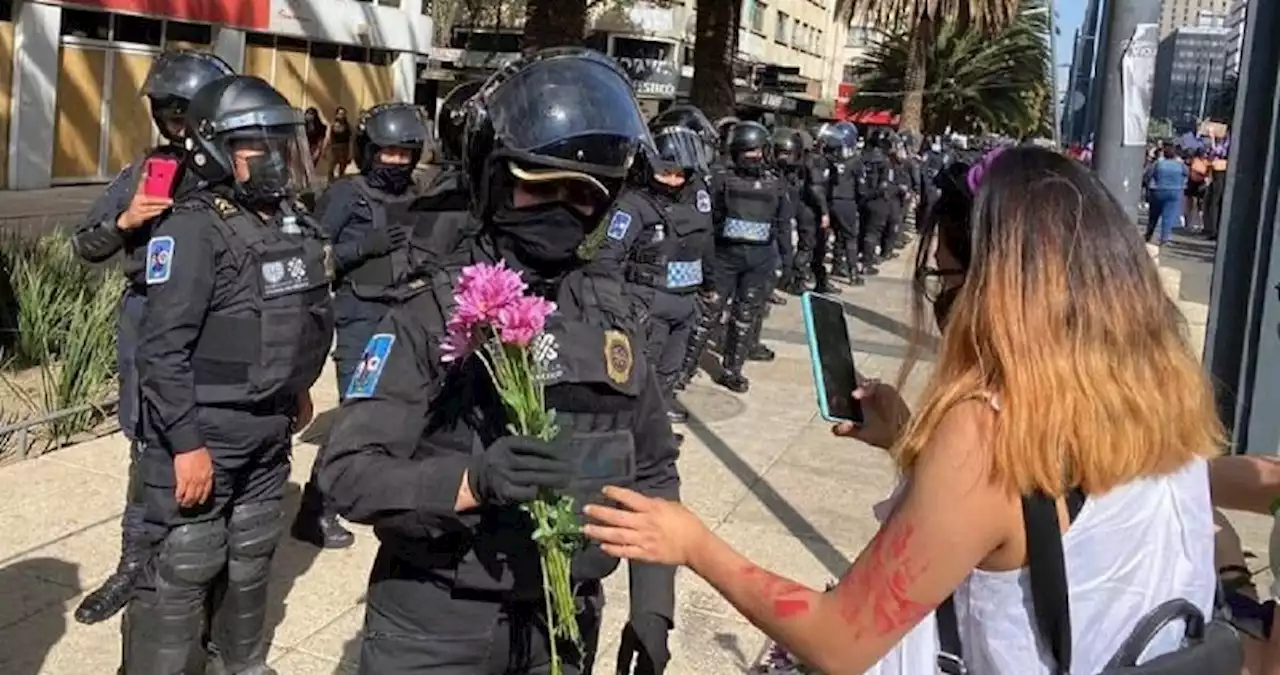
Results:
[873, 598]
[788, 599]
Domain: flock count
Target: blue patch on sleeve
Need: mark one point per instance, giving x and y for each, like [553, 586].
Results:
[619, 225]
[159, 260]
[365, 380]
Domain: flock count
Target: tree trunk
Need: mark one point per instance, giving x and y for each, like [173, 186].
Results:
[554, 23]
[916, 76]
[713, 52]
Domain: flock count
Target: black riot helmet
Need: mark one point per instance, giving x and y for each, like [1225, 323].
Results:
[788, 147]
[565, 113]
[451, 122]
[747, 137]
[389, 125]
[243, 133]
[173, 80]
[839, 140]
[691, 118]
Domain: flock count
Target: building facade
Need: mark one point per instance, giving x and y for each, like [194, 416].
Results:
[1189, 75]
[71, 69]
[1175, 14]
[1234, 51]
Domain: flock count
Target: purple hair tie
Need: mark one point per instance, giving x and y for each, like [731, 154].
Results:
[979, 170]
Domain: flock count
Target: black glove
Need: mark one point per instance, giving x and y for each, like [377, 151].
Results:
[644, 645]
[515, 469]
[383, 240]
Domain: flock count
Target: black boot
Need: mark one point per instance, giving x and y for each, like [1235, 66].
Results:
[116, 591]
[316, 526]
[676, 412]
[776, 299]
[761, 353]
[737, 344]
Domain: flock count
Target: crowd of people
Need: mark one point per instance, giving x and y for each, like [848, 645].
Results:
[1055, 513]
[1184, 187]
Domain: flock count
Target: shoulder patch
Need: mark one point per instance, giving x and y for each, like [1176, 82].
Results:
[224, 207]
[365, 380]
[618, 226]
[704, 202]
[159, 260]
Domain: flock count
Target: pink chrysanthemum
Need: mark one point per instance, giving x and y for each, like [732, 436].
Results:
[521, 321]
[483, 292]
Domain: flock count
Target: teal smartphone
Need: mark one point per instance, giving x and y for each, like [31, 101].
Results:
[835, 376]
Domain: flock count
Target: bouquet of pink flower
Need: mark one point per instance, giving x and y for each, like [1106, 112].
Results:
[496, 321]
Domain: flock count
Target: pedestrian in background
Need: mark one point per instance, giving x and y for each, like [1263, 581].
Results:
[339, 144]
[1166, 181]
[317, 133]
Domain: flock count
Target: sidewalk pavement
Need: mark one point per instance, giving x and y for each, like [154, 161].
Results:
[762, 469]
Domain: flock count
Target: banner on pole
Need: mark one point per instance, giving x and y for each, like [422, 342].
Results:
[1139, 76]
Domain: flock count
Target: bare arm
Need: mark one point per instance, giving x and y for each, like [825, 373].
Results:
[1245, 483]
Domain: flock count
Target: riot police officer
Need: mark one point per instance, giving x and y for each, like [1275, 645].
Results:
[660, 234]
[902, 182]
[788, 155]
[813, 221]
[236, 328]
[121, 220]
[844, 176]
[374, 265]
[932, 162]
[421, 449]
[749, 203]
[880, 193]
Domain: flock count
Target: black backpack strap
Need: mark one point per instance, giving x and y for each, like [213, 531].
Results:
[1048, 571]
[950, 651]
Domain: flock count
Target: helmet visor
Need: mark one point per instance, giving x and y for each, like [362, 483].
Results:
[684, 148]
[574, 114]
[270, 162]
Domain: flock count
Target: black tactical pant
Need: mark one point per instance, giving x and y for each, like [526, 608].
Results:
[415, 623]
[743, 280]
[890, 232]
[212, 567]
[671, 318]
[138, 537]
[807, 231]
[354, 321]
[847, 225]
[786, 250]
[876, 215]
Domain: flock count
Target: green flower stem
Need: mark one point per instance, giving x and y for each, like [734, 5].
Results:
[556, 528]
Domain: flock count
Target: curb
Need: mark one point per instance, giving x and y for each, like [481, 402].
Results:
[1195, 314]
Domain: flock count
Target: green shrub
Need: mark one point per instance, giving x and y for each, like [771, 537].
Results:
[57, 315]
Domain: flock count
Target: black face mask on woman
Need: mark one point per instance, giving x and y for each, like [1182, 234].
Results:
[547, 235]
[942, 306]
[390, 178]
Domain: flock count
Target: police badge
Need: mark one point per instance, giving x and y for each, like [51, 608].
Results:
[618, 359]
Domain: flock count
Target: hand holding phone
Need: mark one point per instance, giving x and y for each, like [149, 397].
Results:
[159, 176]
[834, 374]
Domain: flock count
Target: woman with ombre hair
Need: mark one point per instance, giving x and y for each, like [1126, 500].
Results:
[1063, 376]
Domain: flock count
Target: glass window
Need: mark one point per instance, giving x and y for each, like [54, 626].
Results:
[293, 44]
[6, 10]
[194, 33]
[138, 30]
[758, 10]
[260, 39]
[848, 75]
[381, 57]
[84, 24]
[780, 29]
[353, 54]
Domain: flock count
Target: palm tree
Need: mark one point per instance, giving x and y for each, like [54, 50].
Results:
[974, 81]
[924, 21]
[715, 45]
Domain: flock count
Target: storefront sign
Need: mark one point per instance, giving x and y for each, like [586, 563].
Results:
[250, 14]
[349, 22]
[651, 65]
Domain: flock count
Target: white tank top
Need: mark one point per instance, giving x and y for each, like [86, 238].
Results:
[1127, 552]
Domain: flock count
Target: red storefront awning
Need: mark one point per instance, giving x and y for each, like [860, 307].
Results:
[883, 118]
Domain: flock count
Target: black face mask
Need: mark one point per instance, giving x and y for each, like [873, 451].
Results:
[390, 178]
[268, 179]
[545, 236]
[942, 306]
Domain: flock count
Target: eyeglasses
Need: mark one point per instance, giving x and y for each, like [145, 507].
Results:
[931, 281]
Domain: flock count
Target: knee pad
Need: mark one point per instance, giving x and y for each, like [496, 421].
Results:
[254, 530]
[192, 555]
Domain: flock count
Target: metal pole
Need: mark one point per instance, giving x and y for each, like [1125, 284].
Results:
[1084, 70]
[1119, 164]
[1053, 66]
[1097, 85]
[1069, 111]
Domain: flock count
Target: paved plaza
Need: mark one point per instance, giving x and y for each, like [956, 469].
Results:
[762, 469]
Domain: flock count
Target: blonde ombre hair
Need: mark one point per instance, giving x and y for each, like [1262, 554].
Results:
[1063, 316]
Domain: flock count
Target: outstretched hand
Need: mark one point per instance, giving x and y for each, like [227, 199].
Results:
[645, 529]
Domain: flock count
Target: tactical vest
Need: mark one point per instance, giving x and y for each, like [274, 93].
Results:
[591, 360]
[278, 350]
[398, 274]
[669, 254]
[751, 205]
[843, 179]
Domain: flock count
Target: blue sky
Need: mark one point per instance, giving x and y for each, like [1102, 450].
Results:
[1070, 16]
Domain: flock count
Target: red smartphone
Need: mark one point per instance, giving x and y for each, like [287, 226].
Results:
[160, 174]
